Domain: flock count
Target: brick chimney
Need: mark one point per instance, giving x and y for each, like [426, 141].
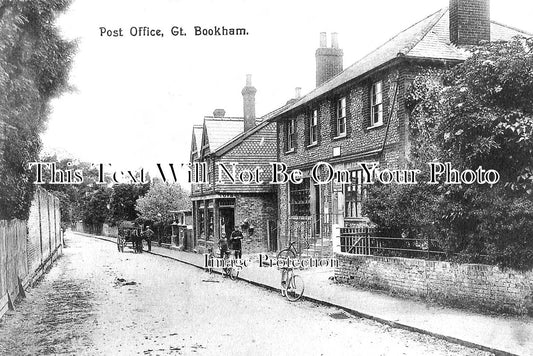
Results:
[248, 99]
[219, 113]
[328, 60]
[469, 21]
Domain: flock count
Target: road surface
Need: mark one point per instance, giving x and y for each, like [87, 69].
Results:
[97, 301]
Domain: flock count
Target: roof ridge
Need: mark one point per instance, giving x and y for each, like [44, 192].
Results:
[428, 28]
[376, 49]
[511, 27]
[225, 118]
[390, 39]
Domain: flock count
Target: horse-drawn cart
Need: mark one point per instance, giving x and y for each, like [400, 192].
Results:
[128, 233]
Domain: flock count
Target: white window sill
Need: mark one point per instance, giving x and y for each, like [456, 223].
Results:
[290, 151]
[374, 126]
[314, 144]
[340, 136]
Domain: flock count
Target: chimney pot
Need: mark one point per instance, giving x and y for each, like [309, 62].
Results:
[328, 60]
[248, 80]
[334, 40]
[323, 40]
[298, 92]
[219, 113]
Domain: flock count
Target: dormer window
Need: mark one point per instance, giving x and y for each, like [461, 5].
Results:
[376, 102]
[341, 117]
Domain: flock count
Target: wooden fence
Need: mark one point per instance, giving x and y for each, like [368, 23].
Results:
[27, 248]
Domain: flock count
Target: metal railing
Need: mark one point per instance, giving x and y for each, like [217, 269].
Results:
[374, 242]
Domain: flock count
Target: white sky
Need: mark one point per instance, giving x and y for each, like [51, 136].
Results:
[137, 98]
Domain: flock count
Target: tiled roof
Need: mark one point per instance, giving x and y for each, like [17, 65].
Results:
[220, 130]
[260, 123]
[429, 38]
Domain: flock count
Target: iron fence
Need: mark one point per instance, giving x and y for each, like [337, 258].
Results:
[364, 240]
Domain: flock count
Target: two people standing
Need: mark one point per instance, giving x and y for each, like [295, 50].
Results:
[234, 242]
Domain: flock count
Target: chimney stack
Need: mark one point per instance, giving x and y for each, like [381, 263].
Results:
[248, 99]
[469, 22]
[219, 113]
[328, 60]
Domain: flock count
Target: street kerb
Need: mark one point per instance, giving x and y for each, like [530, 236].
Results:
[333, 305]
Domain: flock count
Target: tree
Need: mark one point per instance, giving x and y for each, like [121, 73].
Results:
[34, 65]
[156, 205]
[123, 200]
[95, 207]
[479, 113]
[71, 195]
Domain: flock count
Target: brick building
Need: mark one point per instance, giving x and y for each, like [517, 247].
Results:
[220, 203]
[358, 115]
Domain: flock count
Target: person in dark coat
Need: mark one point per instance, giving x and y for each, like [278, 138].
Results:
[236, 242]
[148, 233]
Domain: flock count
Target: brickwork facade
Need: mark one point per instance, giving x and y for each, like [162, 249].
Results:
[469, 21]
[259, 209]
[385, 144]
[221, 205]
[483, 286]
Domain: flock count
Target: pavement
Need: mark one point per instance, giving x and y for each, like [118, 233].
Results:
[97, 301]
[501, 335]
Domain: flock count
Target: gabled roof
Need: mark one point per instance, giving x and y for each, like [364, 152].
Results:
[263, 121]
[427, 39]
[219, 130]
[197, 136]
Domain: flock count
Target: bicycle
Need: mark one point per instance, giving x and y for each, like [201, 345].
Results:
[210, 257]
[230, 271]
[289, 251]
[292, 286]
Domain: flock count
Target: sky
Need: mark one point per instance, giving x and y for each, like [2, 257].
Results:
[136, 98]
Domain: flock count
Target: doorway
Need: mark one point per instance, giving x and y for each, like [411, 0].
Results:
[227, 221]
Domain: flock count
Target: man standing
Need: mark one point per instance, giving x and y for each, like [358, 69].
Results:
[236, 239]
[148, 233]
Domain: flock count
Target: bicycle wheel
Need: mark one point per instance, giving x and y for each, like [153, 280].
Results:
[295, 288]
[209, 268]
[233, 273]
[285, 253]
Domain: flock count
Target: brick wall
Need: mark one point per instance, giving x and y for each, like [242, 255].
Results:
[360, 138]
[258, 209]
[469, 21]
[483, 286]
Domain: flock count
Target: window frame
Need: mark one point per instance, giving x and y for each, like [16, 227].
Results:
[313, 127]
[291, 135]
[340, 120]
[300, 198]
[376, 106]
[354, 195]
